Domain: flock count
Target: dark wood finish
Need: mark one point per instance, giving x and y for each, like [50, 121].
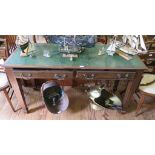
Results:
[116, 84]
[140, 104]
[3, 53]
[8, 99]
[131, 88]
[34, 39]
[11, 43]
[142, 95]
[43, 74]
[149, 57]
[102, 38]
[17, 88]
[133, 77]
[3, 48]
[96, 75]
[58, 68]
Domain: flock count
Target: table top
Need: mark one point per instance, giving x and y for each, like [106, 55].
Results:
[88, 59]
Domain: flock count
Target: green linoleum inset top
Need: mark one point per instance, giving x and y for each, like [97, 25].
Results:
[87, 59]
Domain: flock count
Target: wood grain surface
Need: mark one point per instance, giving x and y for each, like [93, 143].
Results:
[79, 108]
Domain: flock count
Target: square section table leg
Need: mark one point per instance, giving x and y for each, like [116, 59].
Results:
[17, 89]
[131, 88]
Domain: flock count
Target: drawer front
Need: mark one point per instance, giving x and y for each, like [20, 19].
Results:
[2, 54]
[59, 75]
[96, 75]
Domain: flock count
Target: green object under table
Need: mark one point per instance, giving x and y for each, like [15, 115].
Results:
[88, 66]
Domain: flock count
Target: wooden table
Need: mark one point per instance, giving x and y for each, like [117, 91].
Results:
[89, 66]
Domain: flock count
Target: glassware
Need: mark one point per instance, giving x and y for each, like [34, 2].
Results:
[46, 51]
[101, 51]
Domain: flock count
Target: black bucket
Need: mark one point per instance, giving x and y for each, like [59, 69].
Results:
[54, 97]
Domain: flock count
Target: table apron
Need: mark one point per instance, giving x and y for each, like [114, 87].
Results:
[72, 74]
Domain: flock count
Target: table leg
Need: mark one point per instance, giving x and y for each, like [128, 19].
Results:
[116, 83]
[17, 89]
[131, 88]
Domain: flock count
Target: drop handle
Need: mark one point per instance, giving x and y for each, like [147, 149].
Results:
[126, 75]
[60, 77]
[123, 76]
[89, 77]
[27, 77]
[119, 75]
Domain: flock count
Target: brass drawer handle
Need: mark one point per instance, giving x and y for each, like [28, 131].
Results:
[27, 77]
[60, 77]
[123, 76]
[89, 77]
[119, 75]
[126, 75]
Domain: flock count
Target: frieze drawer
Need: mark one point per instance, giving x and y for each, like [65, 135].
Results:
[43, 74]
[2, 54]
[96, 75]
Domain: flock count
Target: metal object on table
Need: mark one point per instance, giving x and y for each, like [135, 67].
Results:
[70, 51]
[55, 99]
[102, 51]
